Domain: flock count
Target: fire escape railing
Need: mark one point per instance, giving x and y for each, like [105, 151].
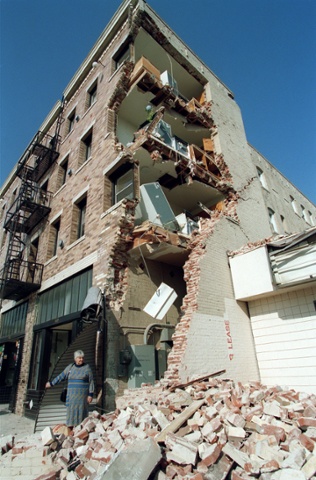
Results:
[21, 273]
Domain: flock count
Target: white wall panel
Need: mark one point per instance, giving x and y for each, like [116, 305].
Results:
[285, 345]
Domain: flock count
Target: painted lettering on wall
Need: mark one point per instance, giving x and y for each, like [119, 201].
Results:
[229, 339]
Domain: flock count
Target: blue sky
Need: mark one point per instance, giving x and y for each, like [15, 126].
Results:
[263, 50]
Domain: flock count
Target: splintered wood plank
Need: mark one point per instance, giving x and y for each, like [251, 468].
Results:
[179, 421]
[199, 379]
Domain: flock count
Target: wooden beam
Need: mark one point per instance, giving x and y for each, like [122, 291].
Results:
[179, 420]
[199, 379]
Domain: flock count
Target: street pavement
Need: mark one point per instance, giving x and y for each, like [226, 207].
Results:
[14, 425]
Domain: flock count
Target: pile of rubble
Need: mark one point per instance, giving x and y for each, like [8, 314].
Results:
[210, 429]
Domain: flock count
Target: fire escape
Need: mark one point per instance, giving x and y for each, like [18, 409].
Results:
[21, 275]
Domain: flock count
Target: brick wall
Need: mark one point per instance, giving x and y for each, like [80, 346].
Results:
[214, 332]
[26, 357]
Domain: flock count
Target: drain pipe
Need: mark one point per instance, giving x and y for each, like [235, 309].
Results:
[155, 325]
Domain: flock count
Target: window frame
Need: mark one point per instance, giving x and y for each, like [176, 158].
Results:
[71, 121]
[85, 150]
[62, 172]
[123, 54]
[82, 208]
[272, 220]
[294, 204]
[119, 174]
[91, 97]
[262, 178]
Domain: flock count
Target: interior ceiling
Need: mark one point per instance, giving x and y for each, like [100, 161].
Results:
[163, 252]
[184, 196]
[146, 46]
[187, 196]
[133, 111]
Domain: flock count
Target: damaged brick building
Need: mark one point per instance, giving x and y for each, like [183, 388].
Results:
[138, 183]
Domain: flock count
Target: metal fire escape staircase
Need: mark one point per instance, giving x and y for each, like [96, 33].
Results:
[21, 274]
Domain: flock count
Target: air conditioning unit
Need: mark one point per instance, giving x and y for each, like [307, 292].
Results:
[167, 79]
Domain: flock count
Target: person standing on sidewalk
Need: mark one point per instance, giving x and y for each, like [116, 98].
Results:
[80, 388]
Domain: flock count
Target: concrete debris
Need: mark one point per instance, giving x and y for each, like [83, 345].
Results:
[212, 429]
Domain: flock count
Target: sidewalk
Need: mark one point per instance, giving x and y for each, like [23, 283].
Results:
[14, 425]
[28, 465]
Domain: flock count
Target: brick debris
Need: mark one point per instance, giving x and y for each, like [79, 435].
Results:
[212, 429]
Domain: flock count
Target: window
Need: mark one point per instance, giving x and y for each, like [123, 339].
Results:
[81, 217]
[91, 95]
[311, 220]
[123, 183]
[294, 204]
[78, 219]
[71, 121]
[262, 178]
[123, 54]
[85, 150]
[62, 172]
[284, 224]
[272, 220]
[53, 239]
[44, 186]
[304, 214]
[31, 258]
